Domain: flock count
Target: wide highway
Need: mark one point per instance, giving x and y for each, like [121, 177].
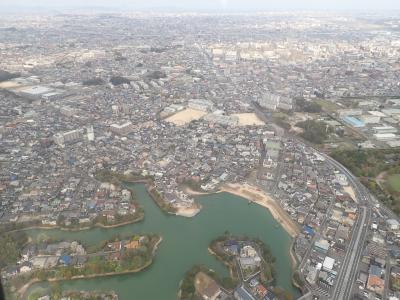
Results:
[366, 202]
[348, 272]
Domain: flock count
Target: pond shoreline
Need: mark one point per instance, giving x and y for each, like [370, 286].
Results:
[255, 195]
[177, 232]
[96, 225]
[21, 292]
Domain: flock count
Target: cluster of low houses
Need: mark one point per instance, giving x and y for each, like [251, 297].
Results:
[249, 261]
[249, 289]
[91, 200]
[114, 250]
[379, 263]
[208, 289]
[321, 201]
[253, 291]
[47, 256]
[330, 245]
[34, 169]
[248, 258]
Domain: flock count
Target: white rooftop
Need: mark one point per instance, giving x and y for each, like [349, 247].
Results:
[376, 113]
[385, 135]
[121, 126]
[384, 128]
[36, 90]
[328, 263]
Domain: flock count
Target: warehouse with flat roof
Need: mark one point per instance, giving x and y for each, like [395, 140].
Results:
[353, 121]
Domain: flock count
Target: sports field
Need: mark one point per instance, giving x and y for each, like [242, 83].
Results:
[246, 119]
[186, 116]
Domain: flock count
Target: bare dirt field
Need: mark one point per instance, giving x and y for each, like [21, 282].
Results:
[349, 190]
[9, 84]
[186, 116]
[246, 119]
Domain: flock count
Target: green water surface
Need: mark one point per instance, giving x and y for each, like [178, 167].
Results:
[185, 243]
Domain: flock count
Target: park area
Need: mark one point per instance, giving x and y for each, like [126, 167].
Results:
[378, 169]
[394, 182]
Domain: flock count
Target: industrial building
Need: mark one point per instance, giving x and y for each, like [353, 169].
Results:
[37, 92]
[385, 136]
[354, 121]
[370, 119]
[385, 129]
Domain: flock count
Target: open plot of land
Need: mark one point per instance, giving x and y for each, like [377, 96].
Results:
[9, 84]
[394, 182]
[349, 190]
[186, 116]
[246, 119]
[328, 105]
[378, 169]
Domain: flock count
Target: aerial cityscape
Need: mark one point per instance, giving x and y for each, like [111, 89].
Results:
[200, 155]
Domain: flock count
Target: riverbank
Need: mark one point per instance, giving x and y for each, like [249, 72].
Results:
[98, 225]
[192, 192]
[259, 197]
[293, 257]
[265, 271]
[188, 212]
[158, 199]
[155, 248]
[229, 266]
[130, 178]
[21, 292]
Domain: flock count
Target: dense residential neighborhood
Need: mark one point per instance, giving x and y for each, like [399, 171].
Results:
[190, 105]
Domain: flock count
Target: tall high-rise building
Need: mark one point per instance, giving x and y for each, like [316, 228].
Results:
[123, 129]
[90, 133]
[68, 137]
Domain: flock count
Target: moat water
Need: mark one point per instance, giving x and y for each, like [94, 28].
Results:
[185, 243]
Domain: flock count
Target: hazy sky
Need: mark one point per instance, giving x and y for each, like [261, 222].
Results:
[219, 5]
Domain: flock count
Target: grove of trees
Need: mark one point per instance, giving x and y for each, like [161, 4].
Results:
[314, 131]
[11, 245]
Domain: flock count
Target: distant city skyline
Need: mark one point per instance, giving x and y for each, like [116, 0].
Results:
[205, 5]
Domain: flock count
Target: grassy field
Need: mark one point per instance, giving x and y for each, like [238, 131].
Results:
[280, 115]
[394, 182]
[368, 164]
[328, 106]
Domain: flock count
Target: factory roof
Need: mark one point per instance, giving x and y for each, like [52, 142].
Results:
[354, 121]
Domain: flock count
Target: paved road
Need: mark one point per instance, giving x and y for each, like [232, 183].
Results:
[387, 275]
[344, 282]
[349, 269]
[345, 279]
